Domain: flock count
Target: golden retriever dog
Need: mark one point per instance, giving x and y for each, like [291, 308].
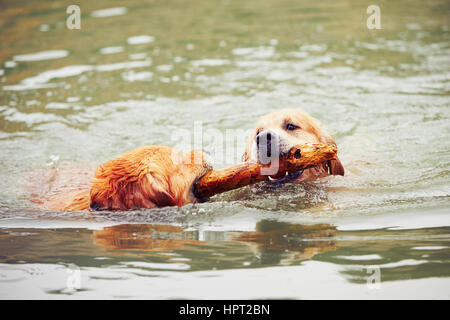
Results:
[145, 177]
[159, 176]
[276, 133]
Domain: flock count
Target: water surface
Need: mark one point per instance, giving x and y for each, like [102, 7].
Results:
[136, 72]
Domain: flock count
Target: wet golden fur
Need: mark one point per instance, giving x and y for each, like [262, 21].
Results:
[145, 177]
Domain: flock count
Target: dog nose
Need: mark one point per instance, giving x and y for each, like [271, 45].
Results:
[266, 141]
[265, 135]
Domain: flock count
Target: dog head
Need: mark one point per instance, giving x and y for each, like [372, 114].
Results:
[276, 133]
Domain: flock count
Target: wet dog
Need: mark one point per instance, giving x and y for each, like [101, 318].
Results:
[159, 176]
[276, 133]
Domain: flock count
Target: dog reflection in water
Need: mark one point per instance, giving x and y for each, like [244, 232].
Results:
[272, 243]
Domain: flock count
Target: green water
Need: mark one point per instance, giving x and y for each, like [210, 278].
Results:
[151, 69]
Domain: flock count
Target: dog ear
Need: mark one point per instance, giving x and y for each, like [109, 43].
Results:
[336, 167]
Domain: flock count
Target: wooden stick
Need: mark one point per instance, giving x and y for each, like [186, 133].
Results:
[243, 174]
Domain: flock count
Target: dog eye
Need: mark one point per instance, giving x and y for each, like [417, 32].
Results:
[291, 127]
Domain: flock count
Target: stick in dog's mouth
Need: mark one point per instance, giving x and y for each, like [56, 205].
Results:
[309, 151]
[290, 166]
